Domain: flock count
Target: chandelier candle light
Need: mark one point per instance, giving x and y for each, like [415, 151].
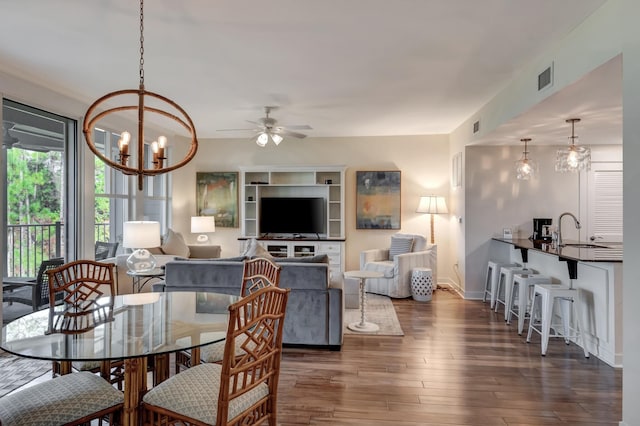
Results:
[125, 143]
[525, 167]
[575, 157]
[432, 205]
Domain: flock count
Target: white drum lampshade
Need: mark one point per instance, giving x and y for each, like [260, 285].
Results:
[203, 225]
[141, 235]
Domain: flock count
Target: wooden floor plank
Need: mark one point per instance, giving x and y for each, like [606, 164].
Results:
[458, 363]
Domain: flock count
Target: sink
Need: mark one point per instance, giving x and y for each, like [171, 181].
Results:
[583, 245]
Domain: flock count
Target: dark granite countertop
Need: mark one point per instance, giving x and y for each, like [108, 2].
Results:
[605, 252]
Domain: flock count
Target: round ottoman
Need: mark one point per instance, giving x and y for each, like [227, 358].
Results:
[422, 284]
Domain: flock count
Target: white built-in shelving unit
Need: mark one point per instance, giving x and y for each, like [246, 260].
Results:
[281, 181]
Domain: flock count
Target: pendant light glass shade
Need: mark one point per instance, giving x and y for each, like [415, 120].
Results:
[526, 168]
[575, 157]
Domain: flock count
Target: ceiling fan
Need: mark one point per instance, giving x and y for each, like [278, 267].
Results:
[267, 128]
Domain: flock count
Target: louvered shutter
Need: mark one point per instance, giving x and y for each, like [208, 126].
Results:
[605, 203]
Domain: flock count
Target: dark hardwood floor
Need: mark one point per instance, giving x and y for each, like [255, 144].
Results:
[458, 364]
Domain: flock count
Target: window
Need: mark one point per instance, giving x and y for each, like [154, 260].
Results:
[117, 198]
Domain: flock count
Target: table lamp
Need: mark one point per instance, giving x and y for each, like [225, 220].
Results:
[433, 205]
[141, 235]
[202, 225]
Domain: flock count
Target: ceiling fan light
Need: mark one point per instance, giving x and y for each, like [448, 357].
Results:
[276, 138]
[262, 139]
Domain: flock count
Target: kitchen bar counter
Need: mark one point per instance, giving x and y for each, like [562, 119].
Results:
[607, 252]
[595, 272]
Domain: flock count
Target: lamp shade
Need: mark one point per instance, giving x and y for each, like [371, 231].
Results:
[141, 234]
[432, 204]
[202, 224]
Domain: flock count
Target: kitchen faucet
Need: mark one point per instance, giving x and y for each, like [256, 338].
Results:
[575, 219]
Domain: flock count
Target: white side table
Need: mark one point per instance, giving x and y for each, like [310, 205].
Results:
[422, 284]
[363, 325]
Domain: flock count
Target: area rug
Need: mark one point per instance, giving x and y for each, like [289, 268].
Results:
[379, 311]
[16, 371]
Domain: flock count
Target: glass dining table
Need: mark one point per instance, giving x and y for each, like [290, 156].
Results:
[142, 325]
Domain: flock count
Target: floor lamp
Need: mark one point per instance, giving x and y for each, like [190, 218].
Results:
[432, 204]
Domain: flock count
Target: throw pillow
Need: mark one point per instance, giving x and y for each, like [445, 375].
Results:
[155, 250]
[400, 245]
[174, 244]
[256, 250]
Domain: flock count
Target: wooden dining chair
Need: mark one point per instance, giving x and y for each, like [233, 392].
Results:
[73, 399]
[243, 389]
[256, 274]
[80, 285]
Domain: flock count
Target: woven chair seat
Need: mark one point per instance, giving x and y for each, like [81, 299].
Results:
[194, 393]
[62, 400]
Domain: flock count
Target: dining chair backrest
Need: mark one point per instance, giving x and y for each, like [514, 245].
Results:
[255, 321]
[104, 250]
[81, 284]
[42, 280]
[258, 273]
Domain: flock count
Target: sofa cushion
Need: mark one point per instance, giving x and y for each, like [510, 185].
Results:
[256, 250]
[215, 259]
[384, 266]
[318, 258]
[174, 244]
[400, 245]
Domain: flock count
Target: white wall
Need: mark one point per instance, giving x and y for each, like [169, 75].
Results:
[495, 199]
[631, 267]
[422, 160]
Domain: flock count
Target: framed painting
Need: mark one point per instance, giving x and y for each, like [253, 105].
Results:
[378, 200]
[217, 195]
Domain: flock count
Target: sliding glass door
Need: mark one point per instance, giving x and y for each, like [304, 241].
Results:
[39, 172]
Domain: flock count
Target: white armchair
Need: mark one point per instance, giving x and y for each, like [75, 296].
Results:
[397, 271]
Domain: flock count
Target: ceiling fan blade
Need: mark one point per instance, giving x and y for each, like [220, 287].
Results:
[298, 127]
[290, 133]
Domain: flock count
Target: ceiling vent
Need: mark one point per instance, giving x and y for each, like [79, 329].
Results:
[545, 78]
[476, 126]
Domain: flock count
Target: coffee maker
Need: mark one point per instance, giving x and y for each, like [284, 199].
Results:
[542, 229]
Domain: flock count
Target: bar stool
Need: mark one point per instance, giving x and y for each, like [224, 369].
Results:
[491, 280]
[568, 298]
[522, 287]
[505, 283]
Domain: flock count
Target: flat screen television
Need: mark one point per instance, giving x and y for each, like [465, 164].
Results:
[280, 215]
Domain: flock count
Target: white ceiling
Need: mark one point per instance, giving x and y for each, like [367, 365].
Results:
[346, 68]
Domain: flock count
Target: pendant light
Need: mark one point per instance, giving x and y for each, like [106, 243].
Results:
[525, 167]
[160, 106]
[575, 157]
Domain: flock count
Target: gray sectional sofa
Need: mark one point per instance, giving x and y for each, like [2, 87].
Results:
[315, 308]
